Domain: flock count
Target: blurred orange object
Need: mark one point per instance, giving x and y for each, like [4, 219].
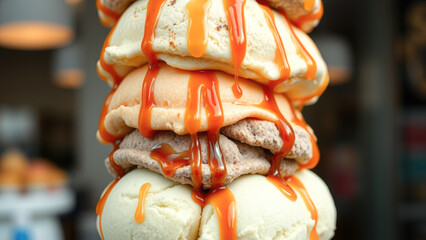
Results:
[17, 171]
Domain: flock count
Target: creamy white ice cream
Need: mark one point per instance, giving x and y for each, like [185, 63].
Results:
[170, 212]
[263, 212]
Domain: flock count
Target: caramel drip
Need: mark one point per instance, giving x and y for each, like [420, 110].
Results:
[107, 12]
[317, 93]
[118, 169]
[216, 162]
[203, 91]
[152, 14]
[105, 66]
[199, 196]
[195, 159]
[298, 119]
[309, 5]
[302, 52]
[223, 202]
[169, 159]
[285, 129]
[280, 54]
[147, 102]
[234, 10]
[315, 155]
[140, 209]
[287, 135]
[298, 186]
[283, 186]
[105, 135]
[197, 41]
[313, 16]
[101, 204]
[147, 96]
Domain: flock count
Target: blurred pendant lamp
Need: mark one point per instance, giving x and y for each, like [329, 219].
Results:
[67, 67]
[35, 24]
[337, 54]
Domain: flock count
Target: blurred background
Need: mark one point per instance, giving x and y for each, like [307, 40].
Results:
[370, 122]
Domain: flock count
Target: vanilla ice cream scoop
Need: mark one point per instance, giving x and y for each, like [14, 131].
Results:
[261, 210]
[270, 51]
[169, 212]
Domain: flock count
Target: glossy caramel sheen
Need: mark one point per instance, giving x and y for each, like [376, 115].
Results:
[197, 41]
[169, 159]
[223, 202]
[234, 10]
[101, 204]
[299, 187]
[140, 209]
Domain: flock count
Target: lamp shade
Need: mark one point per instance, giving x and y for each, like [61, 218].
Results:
[35, 24]
[67, 66]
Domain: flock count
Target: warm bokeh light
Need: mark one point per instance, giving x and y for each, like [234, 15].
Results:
[34, 35]
[339, 75]
[69, 78]
[73, 2]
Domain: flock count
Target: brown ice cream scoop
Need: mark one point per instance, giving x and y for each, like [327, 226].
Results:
[248, 155]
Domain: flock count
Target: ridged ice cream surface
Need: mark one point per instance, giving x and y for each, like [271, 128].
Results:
[171, 45]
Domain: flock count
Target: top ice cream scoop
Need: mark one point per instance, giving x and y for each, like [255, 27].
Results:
[305, 14]
[256, 43]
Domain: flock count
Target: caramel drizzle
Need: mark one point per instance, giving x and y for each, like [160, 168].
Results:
[298, 119]
[140, 209]
[288, 138]
[107, 12]
[234, 10]
[223, 202]
[169, 159]
[147, 93]
[197, 41]
[105, 66]
[302, 52]
[280, 53]
[312, 16]
[147, 96]
[317, 93]
[309, 5]
[298, 186]
[203, 90]
[104, 134]
[101, 204]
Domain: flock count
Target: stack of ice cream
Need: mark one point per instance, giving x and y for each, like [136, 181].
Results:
[204, 115]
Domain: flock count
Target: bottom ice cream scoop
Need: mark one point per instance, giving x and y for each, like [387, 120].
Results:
[251, 206]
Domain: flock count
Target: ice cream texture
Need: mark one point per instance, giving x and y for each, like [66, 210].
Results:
[267, 36]
[262, 212]
[209, 94]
